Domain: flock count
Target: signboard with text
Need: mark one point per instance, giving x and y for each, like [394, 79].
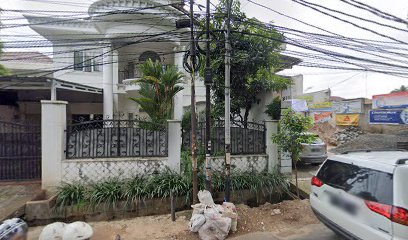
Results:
[390, 101]
[347, 119]
[321, 107]
[323, 117]
[389, 116]
[348, 106]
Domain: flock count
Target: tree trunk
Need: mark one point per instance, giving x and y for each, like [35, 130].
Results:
[246, 117]
[296, 180]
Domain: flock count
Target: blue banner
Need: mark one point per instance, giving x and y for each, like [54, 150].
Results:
[397, 116]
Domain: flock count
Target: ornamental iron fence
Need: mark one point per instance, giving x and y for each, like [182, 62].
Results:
[246, 138]
[116, 138]
[20, 151]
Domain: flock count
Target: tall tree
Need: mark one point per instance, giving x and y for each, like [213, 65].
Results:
[158, 86]
[255, 60]
[403, 88]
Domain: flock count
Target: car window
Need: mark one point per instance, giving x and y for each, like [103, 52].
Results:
[365, 183]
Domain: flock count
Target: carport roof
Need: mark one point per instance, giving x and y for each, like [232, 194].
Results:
[43, 83]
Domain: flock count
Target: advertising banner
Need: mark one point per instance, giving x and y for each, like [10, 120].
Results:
[347, 119]
[323, 117]
[348, 106]
[392, 100]
[321, 107]
[389, 116]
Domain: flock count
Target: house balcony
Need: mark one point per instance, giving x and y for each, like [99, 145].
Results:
[127, 80]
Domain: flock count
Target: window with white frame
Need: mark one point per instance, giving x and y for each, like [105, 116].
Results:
[86, 62]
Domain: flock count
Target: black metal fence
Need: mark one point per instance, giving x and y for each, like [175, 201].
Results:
[20, 151]
[116, 138]
[246, 138]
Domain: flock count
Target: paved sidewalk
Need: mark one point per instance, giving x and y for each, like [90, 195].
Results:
[14, 195]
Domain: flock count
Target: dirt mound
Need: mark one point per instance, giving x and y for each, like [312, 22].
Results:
[325, 132]
[371, 142]
[275, 218]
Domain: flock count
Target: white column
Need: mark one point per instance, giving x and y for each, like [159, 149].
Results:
[107, 83]
[115, 77]
[53, 125]
[271, 147]
[178, 99]
[174, 145]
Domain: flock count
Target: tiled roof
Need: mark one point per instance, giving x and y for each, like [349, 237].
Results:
[26, 57]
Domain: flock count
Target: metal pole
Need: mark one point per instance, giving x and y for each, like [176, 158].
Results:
[227, 126]
[193, 107]
[208, 82]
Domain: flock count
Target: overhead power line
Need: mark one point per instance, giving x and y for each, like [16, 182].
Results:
[375, 11]
[349, 22]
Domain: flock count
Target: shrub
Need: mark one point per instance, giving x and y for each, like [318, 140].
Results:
[273, 109]
[110, 192]
[73, 194]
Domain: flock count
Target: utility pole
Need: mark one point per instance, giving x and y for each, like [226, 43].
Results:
[208, 82]
[193, 105]
[227, 124]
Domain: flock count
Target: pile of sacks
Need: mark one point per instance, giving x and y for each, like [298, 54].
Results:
[213, 221]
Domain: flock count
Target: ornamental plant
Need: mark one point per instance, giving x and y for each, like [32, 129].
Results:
[292, 133]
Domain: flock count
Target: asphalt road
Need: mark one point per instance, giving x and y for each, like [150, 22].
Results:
[310, 232]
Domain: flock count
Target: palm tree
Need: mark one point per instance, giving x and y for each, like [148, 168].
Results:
[158, 86]
[401, 89]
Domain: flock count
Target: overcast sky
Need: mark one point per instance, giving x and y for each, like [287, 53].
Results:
[342, 83]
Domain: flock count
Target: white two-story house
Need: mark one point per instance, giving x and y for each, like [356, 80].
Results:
[99, 56]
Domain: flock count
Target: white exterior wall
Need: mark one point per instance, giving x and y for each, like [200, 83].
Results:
[257, 112]
[64, 58]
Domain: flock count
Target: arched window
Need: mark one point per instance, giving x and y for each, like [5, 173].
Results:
[149, 55]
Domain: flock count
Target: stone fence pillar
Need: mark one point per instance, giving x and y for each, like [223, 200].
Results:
[271, 147]
[174, 145]
[53, 125]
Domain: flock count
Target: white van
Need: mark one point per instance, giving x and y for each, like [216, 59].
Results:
[363, 195]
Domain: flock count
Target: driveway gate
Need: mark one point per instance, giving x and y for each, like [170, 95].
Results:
[20, 151]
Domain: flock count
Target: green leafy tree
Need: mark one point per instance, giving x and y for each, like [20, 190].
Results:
[274, 108]
[400, 89]
[3, 71]
[254, 61]
[292, 133]
[158, 86]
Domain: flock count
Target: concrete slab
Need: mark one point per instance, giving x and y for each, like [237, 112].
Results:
[14, 195]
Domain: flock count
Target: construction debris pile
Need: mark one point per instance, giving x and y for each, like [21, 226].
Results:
[347, 134]
[213, 221]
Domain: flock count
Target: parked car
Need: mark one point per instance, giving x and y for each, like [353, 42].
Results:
[314, 153]
[363, 195]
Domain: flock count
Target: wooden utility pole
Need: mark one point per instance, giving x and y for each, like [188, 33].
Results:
[208, 82]
[227, 124]
[193, 106]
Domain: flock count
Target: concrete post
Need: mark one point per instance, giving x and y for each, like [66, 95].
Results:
[178, 99]
[174, 144]
[107, 83]
[115, 80]
[53, 125]
[271, 147]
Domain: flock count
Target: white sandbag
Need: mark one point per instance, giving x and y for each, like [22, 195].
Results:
[196, 222]
[230, 211]
[205, 197]
[198, 208]
[215, 229]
